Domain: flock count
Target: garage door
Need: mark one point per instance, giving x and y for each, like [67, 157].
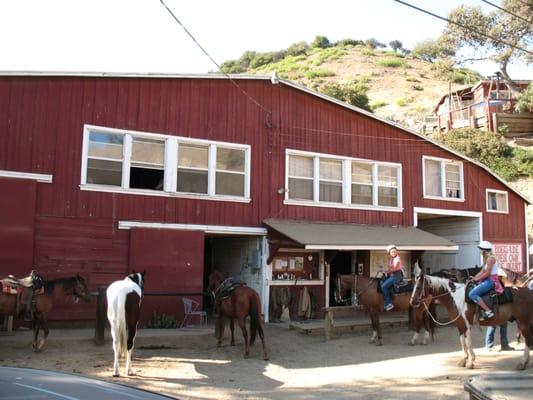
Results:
[464, 231]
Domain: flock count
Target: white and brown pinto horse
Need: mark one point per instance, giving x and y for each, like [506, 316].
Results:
[452, 296]
[123, 312]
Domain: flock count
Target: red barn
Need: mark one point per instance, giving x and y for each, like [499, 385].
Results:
[258, 177]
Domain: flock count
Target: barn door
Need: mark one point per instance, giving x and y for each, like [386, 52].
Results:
[174, 264]
[17, 219]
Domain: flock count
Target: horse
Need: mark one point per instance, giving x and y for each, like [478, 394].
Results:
[54, 290]
[236, 302]
[366, 293]
[123, 312]
[453, 297]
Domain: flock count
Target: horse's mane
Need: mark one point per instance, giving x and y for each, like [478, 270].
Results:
[67, 282]
[454, 289]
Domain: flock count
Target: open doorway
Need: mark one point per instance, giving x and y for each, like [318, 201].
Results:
[340, 263]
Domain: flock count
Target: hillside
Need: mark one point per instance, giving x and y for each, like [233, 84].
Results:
[400, 87]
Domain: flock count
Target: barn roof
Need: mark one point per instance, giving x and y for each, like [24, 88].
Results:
[275, 80]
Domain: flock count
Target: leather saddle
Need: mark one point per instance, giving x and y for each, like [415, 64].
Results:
[25, 289]
[224, 291]
[491, 298]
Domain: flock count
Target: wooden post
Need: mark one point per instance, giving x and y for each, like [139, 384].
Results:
[100, 318]
[328, 324]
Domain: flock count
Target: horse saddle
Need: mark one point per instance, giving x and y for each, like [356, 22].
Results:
[492, 298]
[224, 291]
[25, 289]
[404, 286]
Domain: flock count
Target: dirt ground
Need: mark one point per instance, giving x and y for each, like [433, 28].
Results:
[186, 363]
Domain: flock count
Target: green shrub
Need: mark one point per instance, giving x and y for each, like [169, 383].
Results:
[401, 102]
[391, 62]
[417, 87]
[525, 100]
[393, 54]
[490, 149]
[412, 79]
[367, 52]
[162, 321]
[321, 42]
[352, 93]
[297, 49]
[349, 42]
[319, 73]
[375, 104]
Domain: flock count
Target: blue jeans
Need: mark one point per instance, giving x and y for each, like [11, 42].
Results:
[489, 337]
[387, 284]
[484, 287]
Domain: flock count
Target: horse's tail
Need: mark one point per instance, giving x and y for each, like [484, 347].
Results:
[255, 317]
[116, 314]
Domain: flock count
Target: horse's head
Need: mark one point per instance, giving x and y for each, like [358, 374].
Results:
[80, 289]
[419, 286]
[214, 280]
[341, 288]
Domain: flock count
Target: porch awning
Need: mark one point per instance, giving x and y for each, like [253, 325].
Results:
[344, 236]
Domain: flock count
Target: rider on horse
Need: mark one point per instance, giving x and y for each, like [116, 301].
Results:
[395, 275]
[487, 279]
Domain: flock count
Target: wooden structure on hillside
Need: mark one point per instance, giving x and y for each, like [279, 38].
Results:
[489, 105]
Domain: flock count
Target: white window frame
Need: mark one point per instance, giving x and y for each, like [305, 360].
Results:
[346, 183]
[170, 168]
[443, 162]
[487, 191]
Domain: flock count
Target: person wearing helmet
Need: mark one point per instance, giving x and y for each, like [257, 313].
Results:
[394, 275]
[486, 279]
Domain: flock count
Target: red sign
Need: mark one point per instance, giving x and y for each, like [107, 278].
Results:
[509, 256]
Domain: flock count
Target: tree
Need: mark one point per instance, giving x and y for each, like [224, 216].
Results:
[525, 100]
[429, 50]
[321, 42]
[374, 43]
[353, 93]
[396, 45]
[498, 35]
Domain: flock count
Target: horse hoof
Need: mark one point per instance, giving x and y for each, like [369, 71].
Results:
[461, 363]
[219, 344]
[379, 343]
[116, 375]
[470, 365]
[521, 366]
[266, 358]
[411, 344]
[131, 373]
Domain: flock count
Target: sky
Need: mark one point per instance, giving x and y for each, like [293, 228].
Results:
[140, 36]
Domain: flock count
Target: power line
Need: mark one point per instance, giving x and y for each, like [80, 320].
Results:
[507, 11]
[269, 113]
[468, 28]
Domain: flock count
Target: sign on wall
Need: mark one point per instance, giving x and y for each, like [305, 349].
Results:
[509, 256]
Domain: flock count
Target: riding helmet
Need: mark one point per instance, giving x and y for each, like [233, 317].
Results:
[485, 245]
[390, 247]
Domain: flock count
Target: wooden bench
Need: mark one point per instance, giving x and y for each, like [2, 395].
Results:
[329, 317]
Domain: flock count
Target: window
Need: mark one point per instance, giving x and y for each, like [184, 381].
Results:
[230, 171]
[443, 179]
[497, 201]
[193, 170]
[330, 181]
[148, 163]
[362, 183]
[301, 177]
[315, 179]
[104, 161]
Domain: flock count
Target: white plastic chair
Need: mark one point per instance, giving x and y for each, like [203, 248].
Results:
[191, 310]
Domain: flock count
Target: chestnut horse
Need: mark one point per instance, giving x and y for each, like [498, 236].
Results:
[54, 290]
[366, 291]
[453, 297]
[240, 302]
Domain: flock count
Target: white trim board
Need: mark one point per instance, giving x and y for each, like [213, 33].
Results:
[210, 229]
[43, 178]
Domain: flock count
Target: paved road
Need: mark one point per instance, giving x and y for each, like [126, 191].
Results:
[27, 383]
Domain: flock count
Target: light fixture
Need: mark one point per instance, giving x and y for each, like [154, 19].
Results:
[282, 190]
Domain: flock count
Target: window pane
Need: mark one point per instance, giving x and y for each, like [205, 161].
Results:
[331, 192]
[361, 194]
[497, 201]
[387, 196]
[432, 178]
[301, 166]
[103, 172]
[192, 156]
[387, 176]
[230, 159]
[453, 181]
[331, 169]
[361, 173]
[106, 145]
[148, 152]
[192, 181]
[230, 184]
[301, 189]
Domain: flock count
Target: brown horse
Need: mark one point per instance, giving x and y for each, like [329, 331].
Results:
[238, 303]
[54, 290]
[366, 291]
[453, 297]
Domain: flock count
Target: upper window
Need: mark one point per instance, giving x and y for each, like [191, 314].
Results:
[443, 179]
[317, 179]
[497, 201]
[165, 165]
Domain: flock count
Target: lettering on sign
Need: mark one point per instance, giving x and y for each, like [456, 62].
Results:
[509, 256]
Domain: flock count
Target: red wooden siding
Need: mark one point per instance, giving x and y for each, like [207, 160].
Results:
[41, 131]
